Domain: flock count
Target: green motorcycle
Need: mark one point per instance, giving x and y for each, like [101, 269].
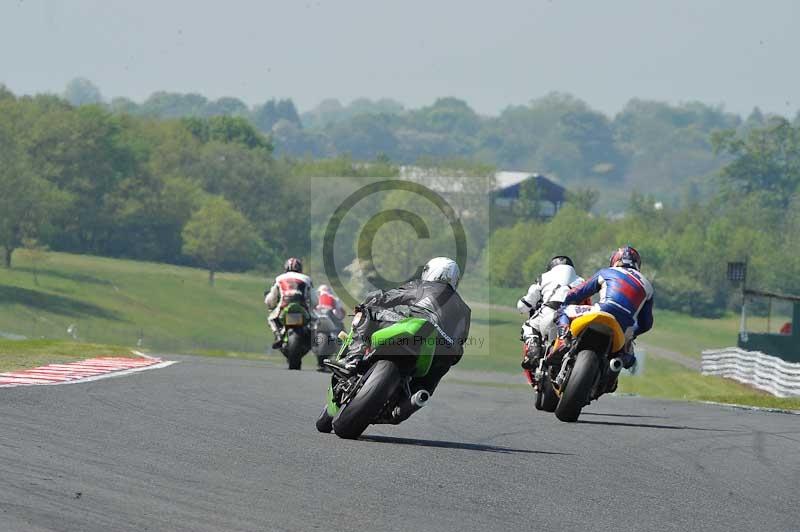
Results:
[368, 392]
[295, 334]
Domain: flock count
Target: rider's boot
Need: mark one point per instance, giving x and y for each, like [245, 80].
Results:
[278, 343]
[561, 345]
[533, 352]
[350, 361]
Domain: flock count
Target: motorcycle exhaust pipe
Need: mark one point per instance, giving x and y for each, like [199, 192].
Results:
[420, 398]
[615, 365]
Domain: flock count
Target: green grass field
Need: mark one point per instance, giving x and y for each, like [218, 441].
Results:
[16, 354]
[115, 301]
[173, 309]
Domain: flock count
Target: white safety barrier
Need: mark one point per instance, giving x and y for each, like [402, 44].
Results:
[769, 373]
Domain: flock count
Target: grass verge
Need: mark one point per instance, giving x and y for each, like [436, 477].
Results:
[21, 354]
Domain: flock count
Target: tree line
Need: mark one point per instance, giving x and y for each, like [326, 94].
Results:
[86, 180]
[653, 147]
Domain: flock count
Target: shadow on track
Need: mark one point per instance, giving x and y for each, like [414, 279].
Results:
[646, 426]
[454, 445]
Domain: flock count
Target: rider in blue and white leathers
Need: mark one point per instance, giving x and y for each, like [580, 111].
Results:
[624, 293]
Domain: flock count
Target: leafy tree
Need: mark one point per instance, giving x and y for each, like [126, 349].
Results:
[82, 152]
[527, 206]
[583, 198]
[122, 105]
[286, 110]
[174, 105]
[27, 202]
[6, 94]
[217, 235]
[766, 161]
[226, 106]
[227, 129]
[81, 91]
[448, 115]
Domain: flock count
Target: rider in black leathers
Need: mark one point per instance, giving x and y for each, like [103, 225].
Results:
[434, 300]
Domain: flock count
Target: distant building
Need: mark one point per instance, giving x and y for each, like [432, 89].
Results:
[550, 195]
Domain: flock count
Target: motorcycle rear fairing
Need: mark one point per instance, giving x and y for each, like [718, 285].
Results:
[414, 337]
[602, 322]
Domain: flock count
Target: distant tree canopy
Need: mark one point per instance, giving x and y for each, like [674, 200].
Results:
[81, 91]
[651, 146]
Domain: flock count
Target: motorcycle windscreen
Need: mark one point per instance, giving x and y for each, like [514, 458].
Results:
[602, 322]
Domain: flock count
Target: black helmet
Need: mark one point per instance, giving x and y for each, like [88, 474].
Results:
[293, 265]
[627, 257]
[558, 260]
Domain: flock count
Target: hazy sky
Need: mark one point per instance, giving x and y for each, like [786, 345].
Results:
[490, 53]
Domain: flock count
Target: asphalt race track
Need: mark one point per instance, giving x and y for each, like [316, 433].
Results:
[217, 444]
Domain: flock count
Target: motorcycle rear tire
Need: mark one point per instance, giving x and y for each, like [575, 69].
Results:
[546, 398]
[576, 393]
[354, 417]
[294, 350]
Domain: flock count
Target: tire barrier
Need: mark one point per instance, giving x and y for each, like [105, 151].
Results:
[765, 372]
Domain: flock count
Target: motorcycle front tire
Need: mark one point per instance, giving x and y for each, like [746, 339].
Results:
[325, 421]
[355, 416]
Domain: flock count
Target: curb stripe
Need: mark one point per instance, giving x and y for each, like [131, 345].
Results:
[81, 371]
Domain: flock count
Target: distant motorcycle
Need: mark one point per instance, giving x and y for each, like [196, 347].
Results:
[369, 392]
[586, 371]
[326, 329]
[295, 334]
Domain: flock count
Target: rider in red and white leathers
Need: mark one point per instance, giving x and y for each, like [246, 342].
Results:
[541, 304]
[329, 304]
[292, 286]
[328, 301]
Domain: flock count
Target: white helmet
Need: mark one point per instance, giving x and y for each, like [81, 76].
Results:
[325, 288]
[442, 269]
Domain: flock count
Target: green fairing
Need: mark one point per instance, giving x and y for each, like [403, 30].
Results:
[404, 333]
[294, 308]
[333, 408]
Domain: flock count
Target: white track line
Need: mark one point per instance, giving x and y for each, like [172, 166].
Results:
[754, 408]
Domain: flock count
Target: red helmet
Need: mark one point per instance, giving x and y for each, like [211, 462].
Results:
[293, 265]
[627, 257]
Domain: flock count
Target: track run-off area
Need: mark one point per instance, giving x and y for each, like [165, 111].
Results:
[213, 444]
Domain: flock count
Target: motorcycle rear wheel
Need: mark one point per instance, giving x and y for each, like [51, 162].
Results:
[293, 351]
[576, 394]
[355, 416]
